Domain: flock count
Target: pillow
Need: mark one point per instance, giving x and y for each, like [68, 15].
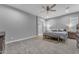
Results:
[54, 30]
[60, 30]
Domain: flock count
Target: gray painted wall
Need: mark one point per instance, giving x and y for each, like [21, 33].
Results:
[17, 24]
[60, 22]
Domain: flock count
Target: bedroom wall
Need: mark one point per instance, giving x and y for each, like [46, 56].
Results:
[61, 22]
[17, 24]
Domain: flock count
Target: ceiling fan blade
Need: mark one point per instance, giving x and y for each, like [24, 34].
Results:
[42, 11]
[52, 10]
[53, 5]
[43, 7]
[67, 7]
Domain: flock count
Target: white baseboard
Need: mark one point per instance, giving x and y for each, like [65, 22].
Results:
[21, 39]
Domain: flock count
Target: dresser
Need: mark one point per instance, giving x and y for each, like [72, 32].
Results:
[2, 42]
[72, 35]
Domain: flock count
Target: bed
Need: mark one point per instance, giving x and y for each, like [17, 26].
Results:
[56, 34]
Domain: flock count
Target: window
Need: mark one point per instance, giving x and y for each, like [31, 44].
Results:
[73, 23]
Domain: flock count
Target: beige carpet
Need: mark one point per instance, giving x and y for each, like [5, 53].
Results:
[40, 46]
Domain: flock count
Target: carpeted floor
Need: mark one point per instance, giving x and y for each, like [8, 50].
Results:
[40, 46]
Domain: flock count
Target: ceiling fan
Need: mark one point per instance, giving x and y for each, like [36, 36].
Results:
[49, 8]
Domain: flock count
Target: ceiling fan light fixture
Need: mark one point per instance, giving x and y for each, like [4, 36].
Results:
[67, 9]
[47, 10]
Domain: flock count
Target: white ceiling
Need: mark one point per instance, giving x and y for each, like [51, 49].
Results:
[35, 9]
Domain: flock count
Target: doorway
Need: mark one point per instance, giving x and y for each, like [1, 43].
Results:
[40, 26]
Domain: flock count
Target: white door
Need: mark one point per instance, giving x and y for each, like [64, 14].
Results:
[40, 27]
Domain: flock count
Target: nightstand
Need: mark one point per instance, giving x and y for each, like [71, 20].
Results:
[72, 35]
